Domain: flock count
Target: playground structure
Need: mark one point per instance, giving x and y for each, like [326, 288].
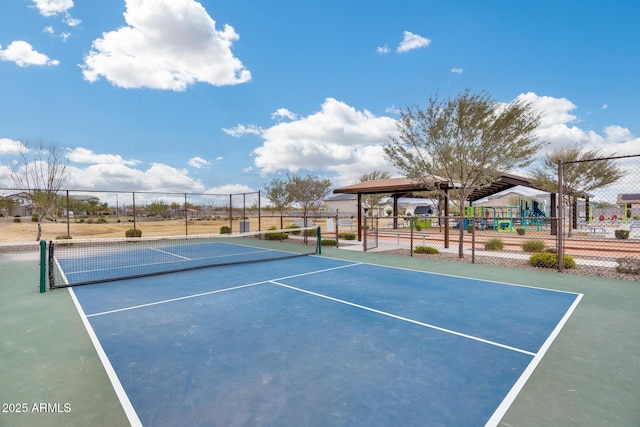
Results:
[506, 218]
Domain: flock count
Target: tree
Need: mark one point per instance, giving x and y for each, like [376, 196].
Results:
[42, 172]
[372, 200]
[466, 142]
[581, 174]
[158, 208]
[308, 192]
[279, 196]
[5, 205]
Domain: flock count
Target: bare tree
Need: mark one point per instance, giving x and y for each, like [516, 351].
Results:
[466, 143]
[42, 171]
[581, 174]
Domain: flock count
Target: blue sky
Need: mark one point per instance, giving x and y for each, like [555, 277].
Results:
[222, 96]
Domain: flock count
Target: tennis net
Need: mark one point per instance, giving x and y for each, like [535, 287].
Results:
[83, 262]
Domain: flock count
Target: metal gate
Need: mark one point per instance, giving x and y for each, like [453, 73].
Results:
[370, 240]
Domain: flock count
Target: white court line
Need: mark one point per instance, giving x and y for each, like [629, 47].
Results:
[128, 408]
[219, 290]
[170, 253]
[427, 325]
[526, 374]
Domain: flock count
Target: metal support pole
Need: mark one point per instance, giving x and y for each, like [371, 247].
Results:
[560, 237]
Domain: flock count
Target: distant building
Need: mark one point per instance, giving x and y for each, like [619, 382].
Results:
[632, 200]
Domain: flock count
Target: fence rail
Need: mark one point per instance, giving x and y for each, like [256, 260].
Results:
[598, 233]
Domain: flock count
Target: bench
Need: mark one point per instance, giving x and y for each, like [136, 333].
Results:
[345, 223]
[597, 229]
[300, 223]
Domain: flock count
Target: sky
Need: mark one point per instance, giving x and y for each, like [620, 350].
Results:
[222, 96]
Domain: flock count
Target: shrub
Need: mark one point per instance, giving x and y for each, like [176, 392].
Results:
[34, 218]
[622, 234]
[276, 235]
[417, 226]
[533, 246]
[425, 250]
[133, 232]
[547, 260]
[328, 242]
[347, 236]
[311, 233]
[494, 245]
[225, 229]
[628, 265]
[63, 237]
[295, 233]
[470, 228]
[520, 231]
[16, 218]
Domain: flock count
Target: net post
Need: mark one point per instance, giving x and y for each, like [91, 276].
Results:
[319, 242]
[43, 266]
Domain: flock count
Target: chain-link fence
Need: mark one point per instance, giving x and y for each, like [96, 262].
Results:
[113, 214]
[103, 214]
[594, 231]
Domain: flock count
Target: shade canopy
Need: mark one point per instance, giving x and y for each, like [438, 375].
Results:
[406, 187]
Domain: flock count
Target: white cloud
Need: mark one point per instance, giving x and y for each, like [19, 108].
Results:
[219, 195]
[52, 31]
[50, 8]
[559, 127]
[457, 70]
[383, 50]
[9, 146]
[605, 106]
[72, 22]
[199, 163]
[241, 130]
[166, 44]
[53, 7]
[83, 155]
[412, 41]
[283, 113]
[23, 54]
[158, 177]
[219, 158]
[339, 139]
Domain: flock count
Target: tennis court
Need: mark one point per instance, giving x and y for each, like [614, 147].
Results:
[344, 338]
[314, 341]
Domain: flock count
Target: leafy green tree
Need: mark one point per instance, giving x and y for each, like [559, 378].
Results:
[372, 200]
[307, 192]
[5, 204]
[157, 208]
[466, 142]
[278, 194]
[581, 174]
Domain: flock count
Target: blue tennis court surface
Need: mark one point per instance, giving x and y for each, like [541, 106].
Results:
[315, 341]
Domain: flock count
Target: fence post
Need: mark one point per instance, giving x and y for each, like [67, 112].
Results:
[68, 218]
[43, 266]
[560, 216]
[134, 214]
[473, 239]
[411, 225]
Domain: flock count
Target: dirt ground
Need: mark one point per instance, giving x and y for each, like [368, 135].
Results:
[26, 231]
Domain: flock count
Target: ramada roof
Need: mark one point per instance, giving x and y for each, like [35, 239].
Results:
[406, 187]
